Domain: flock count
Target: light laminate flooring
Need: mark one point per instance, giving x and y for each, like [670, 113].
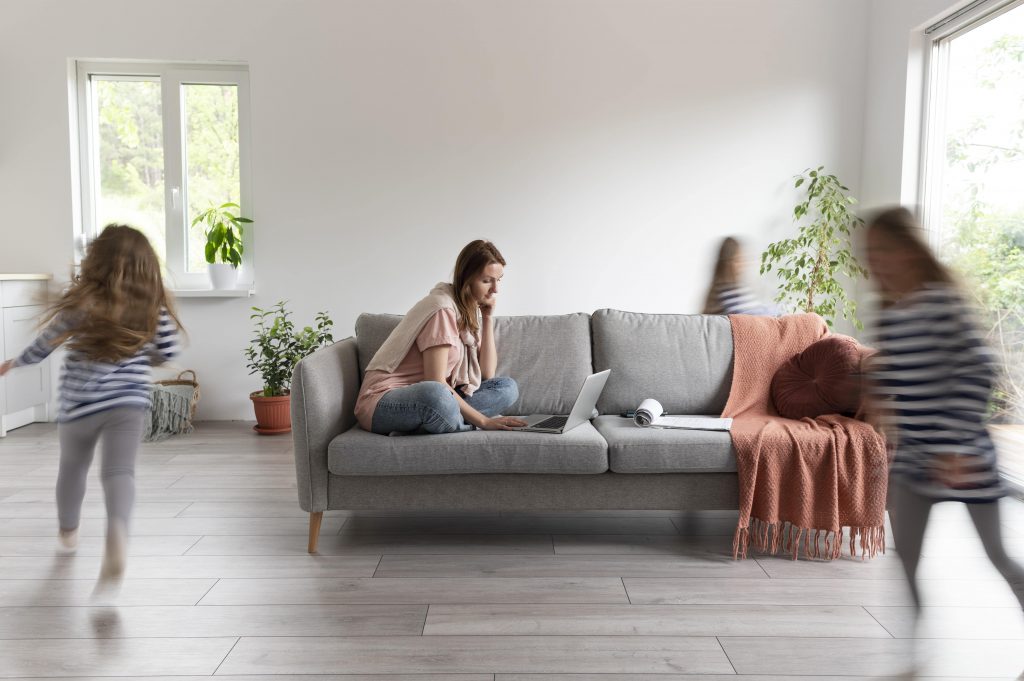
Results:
[219, 584]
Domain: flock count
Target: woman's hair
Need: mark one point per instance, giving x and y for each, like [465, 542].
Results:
[474, 257]
[724, 274]
[903, 231]
[116, 297]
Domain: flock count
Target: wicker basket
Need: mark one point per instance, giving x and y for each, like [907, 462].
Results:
[174, 406]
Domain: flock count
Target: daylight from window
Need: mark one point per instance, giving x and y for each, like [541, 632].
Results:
[130, 161]
[979, 217]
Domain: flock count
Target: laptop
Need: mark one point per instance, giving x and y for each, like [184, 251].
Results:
[580, 413]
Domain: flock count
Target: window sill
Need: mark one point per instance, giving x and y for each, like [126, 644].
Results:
[213, 293]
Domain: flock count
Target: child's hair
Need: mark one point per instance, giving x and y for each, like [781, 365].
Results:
[902, 229]
[116, 297]
[724, 274]
[474, 257]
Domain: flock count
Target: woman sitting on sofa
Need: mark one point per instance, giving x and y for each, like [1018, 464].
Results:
[435, 372]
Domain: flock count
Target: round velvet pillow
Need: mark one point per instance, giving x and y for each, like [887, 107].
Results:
[823, 379]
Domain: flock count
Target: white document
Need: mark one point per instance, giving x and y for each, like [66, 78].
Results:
[648, 415]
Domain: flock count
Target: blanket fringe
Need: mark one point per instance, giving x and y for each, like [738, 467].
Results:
[822, 544]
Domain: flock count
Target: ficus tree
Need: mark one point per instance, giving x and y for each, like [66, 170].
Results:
[810, 265]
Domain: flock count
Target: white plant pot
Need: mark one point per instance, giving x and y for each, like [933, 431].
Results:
[223, 275]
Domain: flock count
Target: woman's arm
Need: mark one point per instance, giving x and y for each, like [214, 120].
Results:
[488, 350]
[435, 365]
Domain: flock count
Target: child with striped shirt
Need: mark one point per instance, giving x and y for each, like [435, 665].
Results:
[727, 294]
[116, 320]
[932, 379]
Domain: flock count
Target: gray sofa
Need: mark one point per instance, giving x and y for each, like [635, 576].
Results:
[684, 361]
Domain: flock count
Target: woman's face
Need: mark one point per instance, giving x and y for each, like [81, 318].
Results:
[484, 286]
[892, 267]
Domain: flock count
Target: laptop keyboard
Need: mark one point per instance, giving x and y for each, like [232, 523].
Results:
[553, 422]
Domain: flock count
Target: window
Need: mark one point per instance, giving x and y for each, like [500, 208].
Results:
[972, 201]
[158, 144]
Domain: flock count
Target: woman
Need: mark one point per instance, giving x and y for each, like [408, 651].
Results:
[933, 378]
[435, 372]
[727, 294]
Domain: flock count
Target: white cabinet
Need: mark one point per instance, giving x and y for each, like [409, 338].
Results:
[25, 391]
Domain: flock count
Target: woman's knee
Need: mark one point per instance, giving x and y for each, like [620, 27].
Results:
[440, 411]
[508, 390]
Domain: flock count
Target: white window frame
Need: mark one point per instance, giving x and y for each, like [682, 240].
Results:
[172, 77]
[937, 38]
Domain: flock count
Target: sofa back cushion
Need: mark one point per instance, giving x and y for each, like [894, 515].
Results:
[683, 361]
[548, 356]
[371, 332]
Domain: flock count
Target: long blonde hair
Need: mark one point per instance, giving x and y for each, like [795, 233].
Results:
[900, 227]
[116, 297]
[724, 274]
[474, 257]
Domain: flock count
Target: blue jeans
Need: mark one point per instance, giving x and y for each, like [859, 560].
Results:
[430, 407]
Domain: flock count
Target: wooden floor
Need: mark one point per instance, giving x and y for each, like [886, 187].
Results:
[219, 583]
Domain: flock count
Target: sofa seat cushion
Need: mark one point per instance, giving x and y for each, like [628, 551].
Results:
[632, 449]
[356, 452]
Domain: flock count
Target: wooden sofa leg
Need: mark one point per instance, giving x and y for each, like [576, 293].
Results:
[314, 529]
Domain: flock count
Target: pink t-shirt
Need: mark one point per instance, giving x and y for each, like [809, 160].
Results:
[441, 329]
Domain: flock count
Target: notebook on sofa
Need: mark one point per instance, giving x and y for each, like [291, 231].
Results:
[648, 415]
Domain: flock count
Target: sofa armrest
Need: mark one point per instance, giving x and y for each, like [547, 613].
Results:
[324, 390]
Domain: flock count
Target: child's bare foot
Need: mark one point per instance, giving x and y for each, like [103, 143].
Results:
[67, 541]
[112, 568]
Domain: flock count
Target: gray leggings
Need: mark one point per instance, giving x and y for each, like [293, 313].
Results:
[120, 431]
[909, 516]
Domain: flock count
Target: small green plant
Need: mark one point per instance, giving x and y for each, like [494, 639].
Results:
[278, 347]
[808, 264]
[223, 233]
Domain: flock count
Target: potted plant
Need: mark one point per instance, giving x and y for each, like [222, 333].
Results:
[223, 243]
[808, 264]
[273, 354]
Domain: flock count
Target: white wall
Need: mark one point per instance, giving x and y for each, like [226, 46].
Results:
[604, 145]
[894, 97]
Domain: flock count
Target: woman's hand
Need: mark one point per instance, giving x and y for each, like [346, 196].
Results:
[502, 423]
[487, 306]
[6, 366]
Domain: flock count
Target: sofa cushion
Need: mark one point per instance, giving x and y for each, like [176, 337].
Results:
[548, 356]
[371, 332]
[357, 452]
[824, 378]
[683, 361]
[632, 449]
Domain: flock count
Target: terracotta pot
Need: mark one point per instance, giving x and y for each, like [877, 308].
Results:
[273, 414]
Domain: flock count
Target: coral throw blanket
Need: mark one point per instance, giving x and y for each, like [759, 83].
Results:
[800, 480]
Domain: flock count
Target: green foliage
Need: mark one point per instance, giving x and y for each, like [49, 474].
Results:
[987, 245]
[984, 235]
[131, 155]
[808, 265]
[223, 233]
[131, 148]
[278, 347]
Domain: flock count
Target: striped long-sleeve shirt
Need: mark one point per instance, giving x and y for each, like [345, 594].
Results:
[739, 300]
[933, 374]
[88, 386]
